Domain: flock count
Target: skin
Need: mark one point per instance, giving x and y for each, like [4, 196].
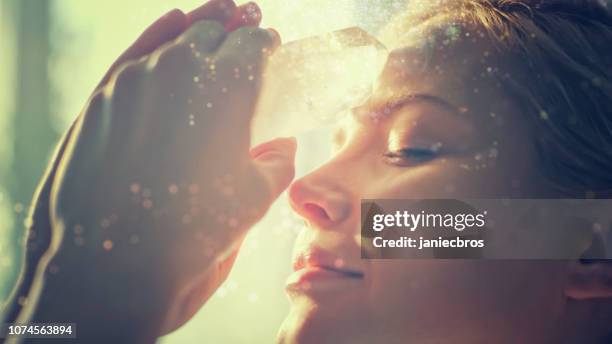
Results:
[167, 212]
[430, 301]
[114, 241]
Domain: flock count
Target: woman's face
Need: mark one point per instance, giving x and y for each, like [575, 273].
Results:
[439, 125]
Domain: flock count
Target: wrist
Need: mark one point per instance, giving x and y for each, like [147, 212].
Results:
[99, 304]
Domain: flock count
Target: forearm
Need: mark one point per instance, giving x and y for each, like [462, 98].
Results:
[97, 302]
[37, 237]
[43, 294]
[60, 289]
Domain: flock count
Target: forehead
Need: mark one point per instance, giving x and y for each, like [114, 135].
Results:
[457, 61]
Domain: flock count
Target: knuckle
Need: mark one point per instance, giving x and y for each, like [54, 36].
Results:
[97, 100]
[95, 107]
[128, 76]
[203, 35]
[176, 61]
[175, 12]
[204, 27]
[254, 36]
[127, 85]
[250, 44]
[177, 54]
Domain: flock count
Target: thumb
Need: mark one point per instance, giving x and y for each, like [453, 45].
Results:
[276, 161]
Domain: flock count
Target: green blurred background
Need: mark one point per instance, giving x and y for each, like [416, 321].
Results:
[53, 53]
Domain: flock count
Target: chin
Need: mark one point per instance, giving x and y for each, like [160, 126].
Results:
[310, 322]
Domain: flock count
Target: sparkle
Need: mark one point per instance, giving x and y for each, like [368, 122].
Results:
[147, 204]
[107, 245]
[173, 189]
[493, 153]
[597, 227]
[135, 188]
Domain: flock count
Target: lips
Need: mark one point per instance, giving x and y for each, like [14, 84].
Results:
[325, 260]
[317, 270]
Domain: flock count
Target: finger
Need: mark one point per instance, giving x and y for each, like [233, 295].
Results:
[249, 46]
[248, 14]
[204, 36]
[276, 36]
[166, 28]
[276, 161]
[170, 26]
[219, 10]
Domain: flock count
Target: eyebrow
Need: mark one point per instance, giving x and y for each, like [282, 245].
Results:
[395, 103]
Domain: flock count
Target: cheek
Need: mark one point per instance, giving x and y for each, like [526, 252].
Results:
[461, 297]
[504, 170]
[441, 179]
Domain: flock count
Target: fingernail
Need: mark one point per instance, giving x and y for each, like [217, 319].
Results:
[276, 36]
[252, 13]
[173, 12]
[245, 15]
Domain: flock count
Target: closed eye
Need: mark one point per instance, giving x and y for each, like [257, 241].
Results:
[410, 156]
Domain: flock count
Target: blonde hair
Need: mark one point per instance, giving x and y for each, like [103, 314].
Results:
[565, 46]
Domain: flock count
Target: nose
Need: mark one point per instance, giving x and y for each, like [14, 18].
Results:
[321, 199]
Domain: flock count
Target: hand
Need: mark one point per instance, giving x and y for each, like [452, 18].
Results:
[137, 140]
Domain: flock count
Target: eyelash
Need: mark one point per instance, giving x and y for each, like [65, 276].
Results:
[409, 156]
